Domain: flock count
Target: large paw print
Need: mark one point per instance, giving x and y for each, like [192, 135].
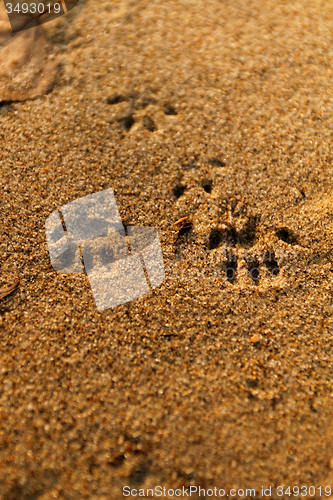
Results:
[239, 248]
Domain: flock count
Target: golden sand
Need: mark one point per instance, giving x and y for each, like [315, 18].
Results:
[220, 114]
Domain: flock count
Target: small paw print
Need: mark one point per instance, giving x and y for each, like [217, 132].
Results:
[134, 112]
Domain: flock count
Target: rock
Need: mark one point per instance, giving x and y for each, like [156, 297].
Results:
[255, 338]
[25, 69]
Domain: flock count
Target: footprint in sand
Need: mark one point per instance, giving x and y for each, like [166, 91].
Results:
[240, 247]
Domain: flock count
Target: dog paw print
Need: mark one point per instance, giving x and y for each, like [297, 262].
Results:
[134, 112]
[251, 254]
[240, 249]
[237, 241]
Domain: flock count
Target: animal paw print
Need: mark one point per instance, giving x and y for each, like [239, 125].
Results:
[238, 246]
[134, 112]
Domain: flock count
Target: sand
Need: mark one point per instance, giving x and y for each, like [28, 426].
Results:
[220, 112]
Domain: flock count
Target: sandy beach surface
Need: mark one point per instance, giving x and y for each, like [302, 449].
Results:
[218, 113]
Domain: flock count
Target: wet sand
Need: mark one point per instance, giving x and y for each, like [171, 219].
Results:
[220, 113]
